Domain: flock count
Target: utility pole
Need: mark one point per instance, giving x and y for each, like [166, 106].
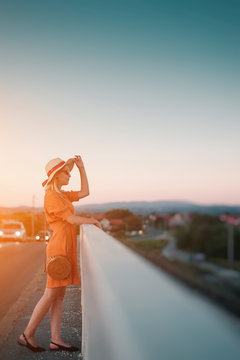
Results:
[45, 221]
[230, 243]
[33, 203]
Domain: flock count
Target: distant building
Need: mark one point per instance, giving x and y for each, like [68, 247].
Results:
[177, 220]
[230, 219]
[117, 224]
[99, 217]
[105, 224]
[160, 220]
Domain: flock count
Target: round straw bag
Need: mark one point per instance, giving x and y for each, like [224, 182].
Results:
[58, 267]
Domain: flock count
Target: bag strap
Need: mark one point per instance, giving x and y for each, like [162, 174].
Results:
[67, 255]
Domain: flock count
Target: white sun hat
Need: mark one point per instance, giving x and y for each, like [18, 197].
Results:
[54, 165]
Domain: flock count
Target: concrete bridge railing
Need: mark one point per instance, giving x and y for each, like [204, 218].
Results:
[134, 311]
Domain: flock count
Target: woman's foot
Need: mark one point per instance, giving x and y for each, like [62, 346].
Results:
[61, 345]
[30, 343]
[28, 339]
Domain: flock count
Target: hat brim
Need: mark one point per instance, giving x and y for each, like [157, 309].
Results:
[69, 163]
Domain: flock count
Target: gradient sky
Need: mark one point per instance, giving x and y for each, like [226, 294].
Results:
[147, 92]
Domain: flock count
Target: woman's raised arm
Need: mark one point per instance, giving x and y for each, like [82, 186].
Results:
[83, 177]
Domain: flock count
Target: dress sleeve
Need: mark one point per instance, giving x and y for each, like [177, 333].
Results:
[72, 195]
[56, 207]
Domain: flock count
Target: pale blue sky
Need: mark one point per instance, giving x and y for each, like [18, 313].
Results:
[146, 91]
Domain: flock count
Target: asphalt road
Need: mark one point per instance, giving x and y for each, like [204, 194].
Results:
[152, 233]
[19, 262]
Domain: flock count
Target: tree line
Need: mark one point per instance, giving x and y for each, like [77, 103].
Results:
[130, 221]
[209, 235]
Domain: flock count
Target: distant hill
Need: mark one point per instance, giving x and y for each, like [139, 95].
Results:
[164, 207]
[142, 207]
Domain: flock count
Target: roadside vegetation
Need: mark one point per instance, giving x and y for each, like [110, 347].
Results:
[146, 246]
[149, 249]
[207, 234]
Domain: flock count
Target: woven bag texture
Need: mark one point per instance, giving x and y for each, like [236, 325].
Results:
[59, 267]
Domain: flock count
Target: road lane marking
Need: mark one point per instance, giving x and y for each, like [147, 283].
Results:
[9, 243]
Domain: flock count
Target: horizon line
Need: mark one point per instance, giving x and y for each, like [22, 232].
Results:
[136, 201]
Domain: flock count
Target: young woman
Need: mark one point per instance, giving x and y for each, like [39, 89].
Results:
[60, 215]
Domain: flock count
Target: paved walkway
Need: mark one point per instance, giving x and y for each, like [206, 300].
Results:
[18, 316]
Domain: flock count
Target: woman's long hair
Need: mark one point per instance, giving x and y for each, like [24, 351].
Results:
[52, 185]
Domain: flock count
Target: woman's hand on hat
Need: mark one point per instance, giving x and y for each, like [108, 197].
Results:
[78, 161]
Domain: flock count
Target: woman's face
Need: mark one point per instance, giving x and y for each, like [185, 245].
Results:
[63, 176]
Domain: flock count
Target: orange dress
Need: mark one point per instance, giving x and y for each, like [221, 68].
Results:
[58, 207]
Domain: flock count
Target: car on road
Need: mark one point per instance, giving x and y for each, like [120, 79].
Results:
[12, 230]
[43, 235]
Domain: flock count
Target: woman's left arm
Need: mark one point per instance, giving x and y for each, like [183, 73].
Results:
[83, 177]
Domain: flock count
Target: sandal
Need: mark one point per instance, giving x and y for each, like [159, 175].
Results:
[65, 348]
[29, 346]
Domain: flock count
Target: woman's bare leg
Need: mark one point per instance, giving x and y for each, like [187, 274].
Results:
[39, 313]
[56, 320]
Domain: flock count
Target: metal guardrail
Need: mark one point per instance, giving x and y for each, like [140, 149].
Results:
[132, 310]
